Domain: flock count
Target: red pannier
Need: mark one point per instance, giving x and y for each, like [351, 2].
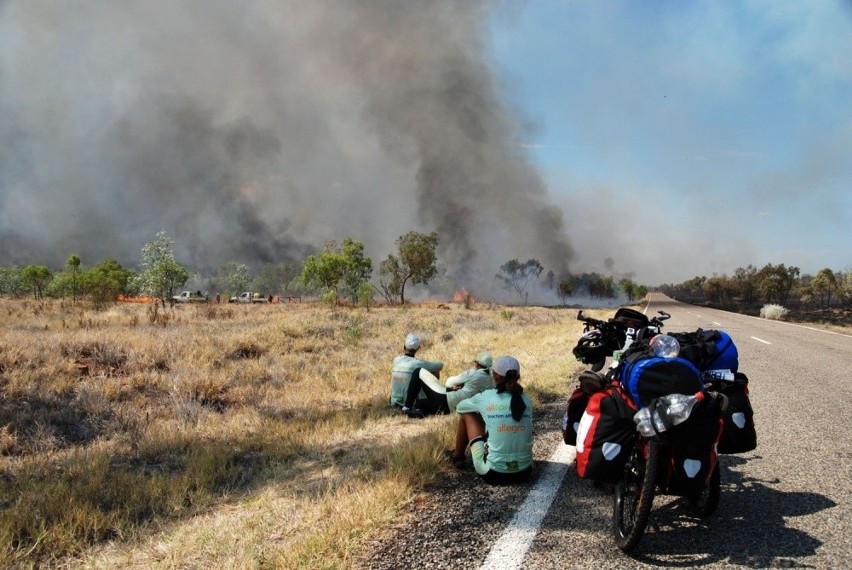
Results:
[577, 403]
[606, 435]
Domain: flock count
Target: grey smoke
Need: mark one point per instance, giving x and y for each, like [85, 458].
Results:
[255, 131]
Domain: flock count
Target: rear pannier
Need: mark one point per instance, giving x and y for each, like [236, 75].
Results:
[605, 436]
[738, 435]
[577, 403]
[692, 455]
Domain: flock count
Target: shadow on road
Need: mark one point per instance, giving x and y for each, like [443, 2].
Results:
[748, 529]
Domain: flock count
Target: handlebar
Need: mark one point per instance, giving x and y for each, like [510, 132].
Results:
[590, 322]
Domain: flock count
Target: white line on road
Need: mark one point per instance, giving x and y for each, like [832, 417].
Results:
[511, 547]
[717, 324]
[761, 340]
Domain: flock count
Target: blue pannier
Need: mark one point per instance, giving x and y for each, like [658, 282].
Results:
[645, 376]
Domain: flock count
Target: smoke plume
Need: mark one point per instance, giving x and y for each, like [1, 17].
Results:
[255, 131]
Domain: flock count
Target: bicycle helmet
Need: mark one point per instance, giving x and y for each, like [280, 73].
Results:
[590, 350]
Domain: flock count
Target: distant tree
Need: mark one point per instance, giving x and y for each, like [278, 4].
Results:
[358, 268]
[416, 262]
[34, 278]
[10, 281]
[161, 274]
[824, 284]
[628, 287]
[564, 290]
[601, 286]
[516, 276]
[105, 282]
[746, 283]
[73, 264]
[776, 282]
[231, 278]
[274, 277]
[324, 271]
[550, 280]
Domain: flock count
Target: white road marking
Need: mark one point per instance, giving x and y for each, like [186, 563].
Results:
[717, 324]
[511, 547]
[761, 340]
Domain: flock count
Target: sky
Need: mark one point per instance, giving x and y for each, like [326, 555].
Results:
[689, 138]
[653, 140]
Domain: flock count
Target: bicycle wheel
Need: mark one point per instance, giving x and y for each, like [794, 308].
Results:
[634, 495]
[706, 501]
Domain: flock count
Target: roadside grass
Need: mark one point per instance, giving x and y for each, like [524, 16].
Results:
[247, 437]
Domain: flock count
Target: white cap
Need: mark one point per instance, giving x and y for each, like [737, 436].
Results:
[506, 363]
[412, 342]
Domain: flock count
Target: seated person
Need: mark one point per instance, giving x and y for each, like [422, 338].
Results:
[404, 365]
[438, 399]
[498, 426]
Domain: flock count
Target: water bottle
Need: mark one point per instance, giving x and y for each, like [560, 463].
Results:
[677, 406]
[665, 346]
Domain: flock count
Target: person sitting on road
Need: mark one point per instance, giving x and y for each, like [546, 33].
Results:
[441, 399]
[404, 365]
[498, 427]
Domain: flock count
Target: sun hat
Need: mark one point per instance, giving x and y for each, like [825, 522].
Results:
[483, 358]
[412, 342]
[506, 363]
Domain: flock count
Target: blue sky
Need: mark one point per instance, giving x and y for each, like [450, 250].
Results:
[688, 138]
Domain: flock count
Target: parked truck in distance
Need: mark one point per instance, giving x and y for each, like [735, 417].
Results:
[248, 297]
[190, 297]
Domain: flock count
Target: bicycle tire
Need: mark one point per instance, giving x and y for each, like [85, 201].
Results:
[634, 495]
[707, 500]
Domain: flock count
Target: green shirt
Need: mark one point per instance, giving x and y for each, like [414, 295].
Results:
[401, 371]
[509, 442]
[472, 382]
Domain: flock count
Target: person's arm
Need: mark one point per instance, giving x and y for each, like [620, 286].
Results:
[469, 405]
[455, 382]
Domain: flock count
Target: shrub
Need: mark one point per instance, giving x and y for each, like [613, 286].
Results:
[773, 312]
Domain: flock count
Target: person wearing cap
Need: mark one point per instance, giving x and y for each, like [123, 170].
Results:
[440, 399]
[404, 365]
[498, 427]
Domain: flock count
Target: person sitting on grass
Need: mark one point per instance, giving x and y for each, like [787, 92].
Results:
[404, 365]
[441, 399]
[497, 425]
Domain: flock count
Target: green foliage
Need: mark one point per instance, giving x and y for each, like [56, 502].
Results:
[161, 274]
[105, 282]
[34, 278]
[73, 265]
[776, 282]
[564, 290]
[416, 262]
[10, 281]
[339, 269]
[516, 276]
[358, 268]
[273, 278]
[824, 284]
[231, 278]
[507, 314]
[366, 294]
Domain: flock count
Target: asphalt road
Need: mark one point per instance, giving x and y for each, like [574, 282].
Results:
[786, 504]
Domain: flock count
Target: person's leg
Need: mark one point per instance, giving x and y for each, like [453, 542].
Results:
[475, 427]
[414, 386]
[461, 438]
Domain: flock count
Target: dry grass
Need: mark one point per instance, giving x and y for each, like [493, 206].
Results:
[242, 437]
